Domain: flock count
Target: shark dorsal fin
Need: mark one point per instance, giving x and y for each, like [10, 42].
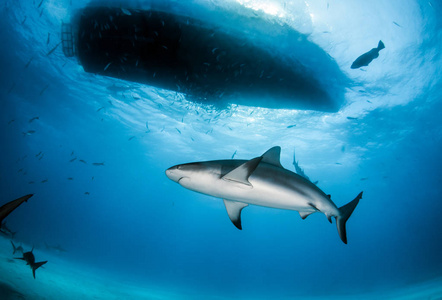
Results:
[272, 156]
[234, 211]
[241, 174]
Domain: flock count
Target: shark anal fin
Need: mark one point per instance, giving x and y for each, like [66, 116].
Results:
[273, 156]
[234, 211]
[242, 173]
[305, 214]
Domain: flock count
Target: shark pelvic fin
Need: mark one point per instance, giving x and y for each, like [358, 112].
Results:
[273, 156]
[234, 211]
[241, 174]
[305, 214]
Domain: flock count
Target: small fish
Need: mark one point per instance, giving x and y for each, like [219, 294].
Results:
[234, 154]
[352, 118]
[72, 160]
[72, 153]
[28, 63]
[44, 89]
[70, 178]
[10, 122]
[44, 180]
[364, 178]
[98, 164]
[49, 38]
[367, 57]
[147, 127]
[37, 155]
[83, 161]
[92, 178]
[338, 164]
[126, 12]
[40, 158]
[86, 193]
[100, 108]
[291, 126]
[107, 66]
[24, 20]
[163, 129]
[397, 24]
[131, 138]
[29, 132]
[40, 3]
[33, 119]
[41, 13]
[178, 130]
[31, 182]
[21, 170]
[53, 49]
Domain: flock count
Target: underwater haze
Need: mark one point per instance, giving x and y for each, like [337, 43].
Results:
[93, 150]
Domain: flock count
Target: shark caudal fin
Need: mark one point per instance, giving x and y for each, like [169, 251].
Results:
[35, 266]
[345, 213]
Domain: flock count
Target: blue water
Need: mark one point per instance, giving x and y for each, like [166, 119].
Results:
[129, 221]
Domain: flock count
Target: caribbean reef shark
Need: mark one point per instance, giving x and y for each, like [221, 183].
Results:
[29, 258]
[260, 181]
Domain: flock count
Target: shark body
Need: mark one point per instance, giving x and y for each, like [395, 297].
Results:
[260, 181]
[29, 258]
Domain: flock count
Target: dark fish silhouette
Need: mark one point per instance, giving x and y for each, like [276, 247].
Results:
[6, 209]
[29, 258]
[366, 58]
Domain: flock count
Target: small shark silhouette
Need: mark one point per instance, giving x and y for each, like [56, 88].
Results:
[367, 57]
[29, 258]
[57, 248]
[16, 249]
[6, 231]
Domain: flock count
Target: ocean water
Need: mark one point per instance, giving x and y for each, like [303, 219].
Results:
[125, 231]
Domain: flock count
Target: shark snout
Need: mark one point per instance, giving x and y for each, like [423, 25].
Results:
[174, 174]
[170, 173]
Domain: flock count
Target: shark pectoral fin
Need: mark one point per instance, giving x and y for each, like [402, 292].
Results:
[273, 156]
[241, 174]
[305, 214]
[234, 211]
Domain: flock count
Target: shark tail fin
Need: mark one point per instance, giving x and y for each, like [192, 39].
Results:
[381, 45]
[345, 213]
[35, 266]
